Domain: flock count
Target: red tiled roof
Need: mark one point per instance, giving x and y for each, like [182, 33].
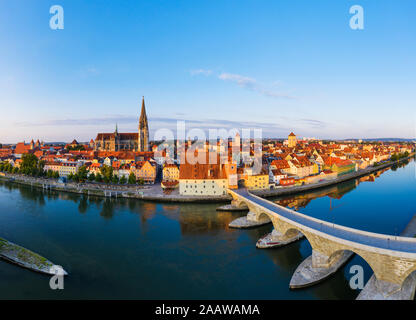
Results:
[123, 136]
[21, 148]
[280, 164]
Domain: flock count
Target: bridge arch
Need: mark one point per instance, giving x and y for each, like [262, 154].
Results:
[411, 273]
[291, 232]
[262, 215]
[239, 203]
[374, 264]
[338, 254]
[409, 279]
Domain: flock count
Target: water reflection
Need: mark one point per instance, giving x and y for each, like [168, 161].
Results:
[193, 218]
[194, 222]
[302, 200]
[188, 249]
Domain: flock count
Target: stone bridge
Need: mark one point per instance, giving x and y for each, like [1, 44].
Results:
[391, 258]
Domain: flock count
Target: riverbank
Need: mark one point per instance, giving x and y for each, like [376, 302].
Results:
[156, 193]
[146, 192]
[349, 176]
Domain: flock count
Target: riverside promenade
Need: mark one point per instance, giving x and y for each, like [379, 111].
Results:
[144, 192]
[155, 192]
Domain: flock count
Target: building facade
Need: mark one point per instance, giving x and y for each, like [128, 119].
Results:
[292, 140]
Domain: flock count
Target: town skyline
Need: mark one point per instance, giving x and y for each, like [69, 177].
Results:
[281, 69]
[205, 128]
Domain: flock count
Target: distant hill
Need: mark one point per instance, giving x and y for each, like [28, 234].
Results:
[384, 139]
[56, 143]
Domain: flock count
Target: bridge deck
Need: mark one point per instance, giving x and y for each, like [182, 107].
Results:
[399, 244]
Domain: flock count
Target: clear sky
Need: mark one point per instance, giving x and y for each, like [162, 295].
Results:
[278, 65]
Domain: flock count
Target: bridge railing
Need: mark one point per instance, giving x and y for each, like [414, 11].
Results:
[371, 238]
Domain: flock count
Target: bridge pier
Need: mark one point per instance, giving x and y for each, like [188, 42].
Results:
[250, 221]
[277, 239]
[376, 289]
[234, 206]
[383, 290]
[320, 260]
[238, 204]
[317, 267]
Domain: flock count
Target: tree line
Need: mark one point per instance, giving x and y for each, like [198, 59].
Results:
[401, 155]
[105, 175]
[30, 166]
[34, 167]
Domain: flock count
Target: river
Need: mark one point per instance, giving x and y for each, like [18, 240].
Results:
[132, 249]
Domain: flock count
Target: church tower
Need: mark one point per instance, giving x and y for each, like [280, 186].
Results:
[116, 139]
[143, 143]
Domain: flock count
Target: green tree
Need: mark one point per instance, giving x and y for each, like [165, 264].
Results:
[55, 175]
[140, 181]
[70, 176]
[76, 178]
[82, 173]
[76, 148]
[29, 164]
[132, 178]
[41, 168]
[91, 177]
[114, 179]
[123, 180]
[98, 177]
[107, 173]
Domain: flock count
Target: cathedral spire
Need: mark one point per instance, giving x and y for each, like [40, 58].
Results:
[143, 138]
[143, 117]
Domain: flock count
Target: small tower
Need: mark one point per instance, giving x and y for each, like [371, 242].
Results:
[116, 139]
[292, 140]
[143, 138]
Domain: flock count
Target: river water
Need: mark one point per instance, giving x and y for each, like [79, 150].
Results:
[131, 249]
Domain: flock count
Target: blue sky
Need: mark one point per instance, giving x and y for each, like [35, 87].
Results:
[276, 65]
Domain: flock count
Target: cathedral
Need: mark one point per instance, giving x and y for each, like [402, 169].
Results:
[135, 141]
